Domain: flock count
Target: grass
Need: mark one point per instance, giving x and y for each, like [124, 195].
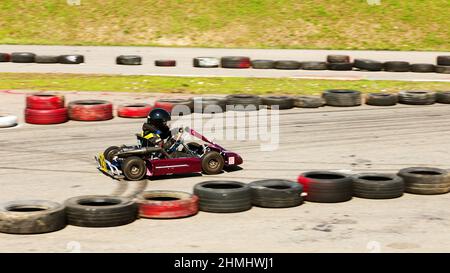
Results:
[345, 24]
[199, 85]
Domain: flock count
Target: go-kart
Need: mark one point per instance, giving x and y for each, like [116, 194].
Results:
[176, 157]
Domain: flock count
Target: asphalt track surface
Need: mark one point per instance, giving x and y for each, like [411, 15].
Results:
[55, 162]
[101, 60]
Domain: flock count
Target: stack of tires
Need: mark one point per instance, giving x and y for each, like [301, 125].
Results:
[45, 109]
[443, 64]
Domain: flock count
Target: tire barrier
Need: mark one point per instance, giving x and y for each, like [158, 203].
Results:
[44, 117]
[129, 60]
[5, 57]
[443, 60]
[235, 62]
[23, 57]
[263, 64]
[417, 97]
[223, 196]
[313, 65]
[368, 65]
[43, 101]
[90, 110]
[340, 66]
[135, 110]
[46, 59]
[287, 65]
[326, 187]
[31, 217]
[165, 63]
[397, 66]
[377, 186]
[282, 102]
[244, 102]
[443, 97]
[342, 97]
[100, 211]
[308, 101]
[207, 62]
[7, 121]
[167, 204]
[209, 104]
[276, 193]
[170, 105]
[338, 59]
[423, 68]
[443, 69]
[71, 59]
[381, 99]
[422, 180]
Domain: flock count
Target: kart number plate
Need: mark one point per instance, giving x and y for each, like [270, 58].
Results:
[103, 163]
[231, 160]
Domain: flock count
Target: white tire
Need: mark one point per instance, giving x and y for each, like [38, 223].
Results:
[8, 121]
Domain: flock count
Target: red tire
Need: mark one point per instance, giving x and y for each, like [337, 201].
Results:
[235, 62]
[53, 116]
[44, 101]
[169, 104]
[90, 110]
[165, 63]
[138, 110]
[167, 204]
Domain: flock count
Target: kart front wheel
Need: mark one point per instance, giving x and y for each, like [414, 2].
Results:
[212, 163]
[110, 152]
[134, 168]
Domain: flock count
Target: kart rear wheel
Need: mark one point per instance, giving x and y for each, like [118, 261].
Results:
[134, 168]
[110, 152]
[212, 163]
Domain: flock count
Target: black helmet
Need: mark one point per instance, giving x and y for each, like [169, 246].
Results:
[158, 115]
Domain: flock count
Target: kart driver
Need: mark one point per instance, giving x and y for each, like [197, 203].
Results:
[155, 130]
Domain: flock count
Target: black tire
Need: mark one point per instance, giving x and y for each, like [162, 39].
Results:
[443, 69]
[342, 97]
[338, 59]
[46, 59]
[168, 63]
[71, 59]
[313, 65]
[110, 152]
[129, 60]
[235, 62]
[377, 186]
[417, 97]
[327, 187]
[223, 196]
[287, 65]
[243, 102]
[423, 68]
[340, 66]
[276, 193]
[395, 66]
[308, 102]
[208, 62]
[443, 97]
[212, 163]
[443, 60]
[31, 217]
[23, 57]
[381, 99]
[263, 64]
[423, 180]
[209, 104]
[283, 102]
[134, 168]
[100, 211]
[368, 65]
[5, 57]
